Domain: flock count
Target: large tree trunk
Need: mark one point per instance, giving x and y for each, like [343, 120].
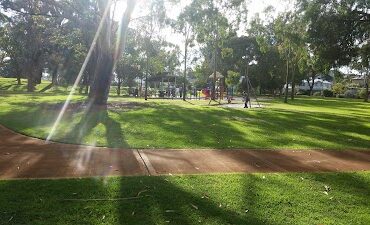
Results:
[100, 87]
[30, 83]
[108, 56]
[54, 76]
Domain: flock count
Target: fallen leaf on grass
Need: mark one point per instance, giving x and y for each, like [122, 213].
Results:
[170, 211]
[140, 192]
[194, 206]
[205, 196]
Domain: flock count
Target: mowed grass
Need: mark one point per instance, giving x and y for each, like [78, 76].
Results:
[304, 123]
[297, 198]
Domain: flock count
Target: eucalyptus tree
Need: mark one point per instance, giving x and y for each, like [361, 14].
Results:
[337, 28]
[185, 27]
[27, 31]
[290, 34]
[213, 21]
[271, 65]
[150, 26]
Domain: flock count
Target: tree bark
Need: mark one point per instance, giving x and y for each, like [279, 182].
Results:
[293, 84]
[311, 86]
[100, 87]
[54, 77]
[185, 61]
[108, 56]
[286, 82]
[366, 98]
[19, 81]
[119, 86]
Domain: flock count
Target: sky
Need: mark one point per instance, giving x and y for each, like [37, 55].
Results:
[254, 6]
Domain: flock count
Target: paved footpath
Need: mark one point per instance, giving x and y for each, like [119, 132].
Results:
[25, 157]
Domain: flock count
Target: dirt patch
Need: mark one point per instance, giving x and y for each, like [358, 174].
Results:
[75, 107]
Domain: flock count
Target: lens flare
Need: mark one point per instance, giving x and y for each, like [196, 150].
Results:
[79, 77]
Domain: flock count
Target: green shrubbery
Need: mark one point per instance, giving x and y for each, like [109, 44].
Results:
[328, 93]
[351, 93]
[362, 93]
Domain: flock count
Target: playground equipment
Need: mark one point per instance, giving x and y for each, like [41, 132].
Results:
[219, 85]
[250, 92]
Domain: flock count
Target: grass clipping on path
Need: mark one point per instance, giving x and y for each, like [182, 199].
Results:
[298, 198]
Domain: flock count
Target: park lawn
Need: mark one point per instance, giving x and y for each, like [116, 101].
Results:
[305, 123]
[286, 198]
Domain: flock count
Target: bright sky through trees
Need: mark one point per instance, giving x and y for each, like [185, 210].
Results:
[254, 7]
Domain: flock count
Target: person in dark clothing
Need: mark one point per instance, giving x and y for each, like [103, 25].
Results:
[246, 100]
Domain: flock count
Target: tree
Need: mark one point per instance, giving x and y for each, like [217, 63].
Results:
[184, 26]
[337, 29]
[108, 52]
[211, 27]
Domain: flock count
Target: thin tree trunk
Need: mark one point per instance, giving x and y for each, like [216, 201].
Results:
[146, 77]
[293, 84]
[19, 81]
[286, 82]
[366, 98]
[186, 56]
[119, 86]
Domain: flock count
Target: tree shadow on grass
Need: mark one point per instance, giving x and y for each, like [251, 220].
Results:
[91, 119]
[223, 199]
[169, 201]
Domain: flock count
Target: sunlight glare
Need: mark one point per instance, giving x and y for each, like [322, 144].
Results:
[79, 77]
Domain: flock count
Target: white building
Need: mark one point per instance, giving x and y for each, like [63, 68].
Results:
[319, 85]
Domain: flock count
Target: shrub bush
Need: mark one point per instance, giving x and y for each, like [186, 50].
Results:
[328, 93]
[362, 93]
[303, 92]
[339, 88]
[317, 93]
[352, 93]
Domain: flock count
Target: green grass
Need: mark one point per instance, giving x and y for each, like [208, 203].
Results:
[305, 123]
[11, 85]
[272, 199]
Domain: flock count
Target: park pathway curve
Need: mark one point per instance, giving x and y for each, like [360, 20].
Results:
[26, 157]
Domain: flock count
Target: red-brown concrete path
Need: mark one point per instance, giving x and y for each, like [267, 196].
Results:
[25, 157]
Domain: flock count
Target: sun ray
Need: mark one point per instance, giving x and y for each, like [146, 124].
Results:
[79, 77]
